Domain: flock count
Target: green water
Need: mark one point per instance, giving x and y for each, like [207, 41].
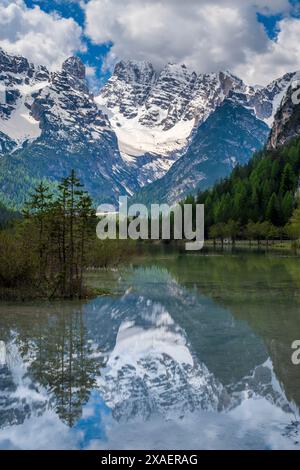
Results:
[188, 351]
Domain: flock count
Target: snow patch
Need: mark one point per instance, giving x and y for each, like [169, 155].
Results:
[136, 139]
[21, 125]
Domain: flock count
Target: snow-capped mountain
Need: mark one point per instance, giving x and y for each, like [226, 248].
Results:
[136, 96]
[155, 113]
[156, 116]
[264, 101]
[50, 124]
[152, 371]
[151, 367]
[19, 81]
[131, 135]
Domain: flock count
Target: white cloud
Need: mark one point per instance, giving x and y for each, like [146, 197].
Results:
[208, 36]
[281, 56]
[41, 37]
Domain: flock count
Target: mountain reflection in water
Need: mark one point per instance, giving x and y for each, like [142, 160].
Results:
[185, 358]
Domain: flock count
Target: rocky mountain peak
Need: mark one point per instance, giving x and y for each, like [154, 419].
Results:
[143, 121]
[19, 82]
[75, 67]
[164, 98]
[52, 119]
[156, 113]
[287, 119]
[134, 71]
[17, 69]
[263, 101]
[13, 64]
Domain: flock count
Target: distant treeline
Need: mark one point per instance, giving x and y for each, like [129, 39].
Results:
[258, 200]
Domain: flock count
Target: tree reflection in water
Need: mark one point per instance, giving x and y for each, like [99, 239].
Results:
[60, 358]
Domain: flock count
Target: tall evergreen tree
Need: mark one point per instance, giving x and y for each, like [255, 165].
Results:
[38, 209]
[287, 206]
[287, 180]
[272, 211]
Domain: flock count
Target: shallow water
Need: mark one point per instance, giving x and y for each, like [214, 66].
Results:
[189, 351]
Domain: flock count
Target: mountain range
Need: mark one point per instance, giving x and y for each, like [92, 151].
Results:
[156, 135]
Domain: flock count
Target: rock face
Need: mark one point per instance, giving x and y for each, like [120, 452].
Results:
[65, 130]
[287, 119]
[264, 101]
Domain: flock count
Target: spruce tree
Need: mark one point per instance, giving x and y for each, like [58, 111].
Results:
[37, 209]
[287, 207]
[272, 211]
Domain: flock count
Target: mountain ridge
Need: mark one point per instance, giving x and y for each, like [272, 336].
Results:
[213, 153]
[135, 101]
[126, 138]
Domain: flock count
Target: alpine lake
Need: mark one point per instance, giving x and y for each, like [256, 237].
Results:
[187, 351]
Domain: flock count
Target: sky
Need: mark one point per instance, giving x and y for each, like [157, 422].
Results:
[258, 40]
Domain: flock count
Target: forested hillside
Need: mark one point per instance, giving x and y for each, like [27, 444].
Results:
[264, 191]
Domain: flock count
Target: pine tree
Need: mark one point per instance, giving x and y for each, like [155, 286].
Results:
[37, 210]
[86, 213]
[266, 194]
[287, 207]
[288, 180]
[255, 210]
[272, 211]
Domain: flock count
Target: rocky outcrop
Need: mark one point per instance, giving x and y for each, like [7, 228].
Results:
[287, 119]
[228, 137]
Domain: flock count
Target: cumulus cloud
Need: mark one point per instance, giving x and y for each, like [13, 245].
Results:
[43, 38]
[281, 56]
[208, 36]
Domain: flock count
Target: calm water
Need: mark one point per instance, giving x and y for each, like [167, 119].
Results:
[189, 351]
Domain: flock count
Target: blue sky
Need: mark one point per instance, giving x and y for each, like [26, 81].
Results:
[270, 22]
[256, 39]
